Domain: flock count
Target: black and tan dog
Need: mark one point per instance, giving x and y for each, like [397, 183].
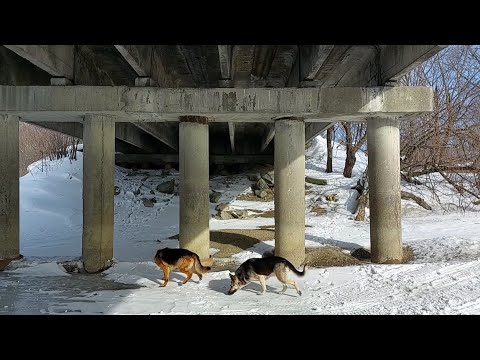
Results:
[262, 268]
[182, 259]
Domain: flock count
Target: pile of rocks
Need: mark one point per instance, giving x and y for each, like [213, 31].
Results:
[264, 184]
[225, 212]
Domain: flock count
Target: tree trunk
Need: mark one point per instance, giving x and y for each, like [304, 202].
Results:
[329, 150]
[349, 162]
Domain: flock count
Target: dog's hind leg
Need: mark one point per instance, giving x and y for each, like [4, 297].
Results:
[282, 276]
[261, 278]
[186, 267]
[189, 276]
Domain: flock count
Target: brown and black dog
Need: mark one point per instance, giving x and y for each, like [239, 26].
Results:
[182, 259]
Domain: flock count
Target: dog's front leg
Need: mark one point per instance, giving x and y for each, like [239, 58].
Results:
[166, 275]
[261, 278]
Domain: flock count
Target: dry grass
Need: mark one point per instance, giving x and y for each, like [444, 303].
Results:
[326, 256]
[364, 254]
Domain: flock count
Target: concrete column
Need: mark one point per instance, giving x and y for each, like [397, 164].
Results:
[290, 190]
[383, 136]
[194, 199]
[9, 188]
[98, 189]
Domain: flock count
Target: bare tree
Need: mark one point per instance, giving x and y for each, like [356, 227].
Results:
[38, 143]
[447, 140]
[330, 137]
[353, 138]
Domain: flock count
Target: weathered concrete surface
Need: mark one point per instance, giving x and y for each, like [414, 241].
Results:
[15, 70]
[9, 188]
[290, 190]
[194, 232]
[397, 60]
[98, 192]
[57, 60]
[384, 190]
[221, 105]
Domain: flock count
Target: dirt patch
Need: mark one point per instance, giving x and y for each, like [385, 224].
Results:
[252, 197]
[408, 255]
[326, 256]
[233, 241]
[5, 262]
[364, 255]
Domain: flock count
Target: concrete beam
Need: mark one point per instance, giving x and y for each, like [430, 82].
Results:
[213, 159]
[231, 133]
[313, 129]
[162, 132]
[194, 233]
[68, 128]
[313, 57]
[127, 132]
[98, 184]
[57, 60]
[9, 188]
[281, 66]
[384, 190]
[131, 55]
[225, 58]
[398, 60]
[133, 135]
[267, 137]
[39, 103]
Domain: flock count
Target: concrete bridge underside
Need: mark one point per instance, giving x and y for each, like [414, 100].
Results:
[197, 103]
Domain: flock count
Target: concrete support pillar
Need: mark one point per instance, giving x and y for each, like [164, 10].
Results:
[290, 190]
[383, 136]
[9, 188]
[98, 189]
[194, 188]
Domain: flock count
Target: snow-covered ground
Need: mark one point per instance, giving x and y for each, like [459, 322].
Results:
[444, 278]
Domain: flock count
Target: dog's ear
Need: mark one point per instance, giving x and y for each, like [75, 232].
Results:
[232, 276]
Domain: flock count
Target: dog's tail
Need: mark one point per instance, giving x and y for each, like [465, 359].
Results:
[199, 267]
[291, 267]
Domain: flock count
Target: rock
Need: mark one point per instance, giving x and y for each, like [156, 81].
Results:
[262, 185]
[215, 196]
[116, 190]
[239, 214]
[166, 187]
[136, 192]
[261, 193]
[152, 192]
[268, 179]
[315, 181]
[149, 202]
[225, 215]
[222, 207]
[165, 172]
[168, 166]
